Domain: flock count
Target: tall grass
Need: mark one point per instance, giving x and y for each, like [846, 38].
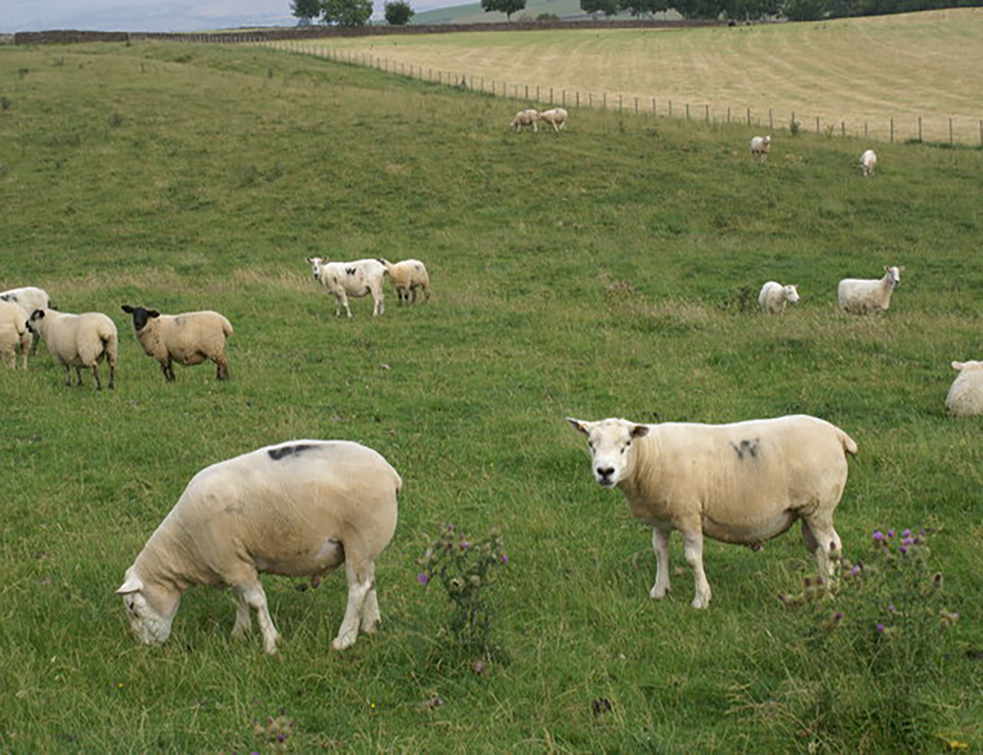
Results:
[610, 270]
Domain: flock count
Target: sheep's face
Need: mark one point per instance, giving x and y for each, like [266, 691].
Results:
[791, 294]
[970, 366]
[150, 625]
[316, 263]
[141, 316]
[894, 274]
[611, 447]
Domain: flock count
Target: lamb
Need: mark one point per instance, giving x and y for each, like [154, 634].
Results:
[742, 483]
[356, 279]
[14, 330]
[557, 118]
[29, 298]
[774, 297]
[300, 508]
[528, 117]
[860, 296]
[868, 161]
[79, 341]
[965, 397]
[407, 276]
[189, 338]
[761, 146]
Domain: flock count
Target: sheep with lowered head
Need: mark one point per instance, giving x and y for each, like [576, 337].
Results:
[189, 338]
[774, 296]
[79, 341]
[761, 146]
[557, 118]
[407, 276]
[868, 161]
[301, 508]
[528, 117]
[965, 397]
[29, 298]
[742, 483]
[860, 296]
[14, 330]
[355, 279]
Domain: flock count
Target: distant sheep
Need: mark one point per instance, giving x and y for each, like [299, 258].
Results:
[868, 161]
[774, 296]
[407, 276]
[557, 118]
[189, 338]
[301, 508]
[29, 298]
[761, 146]
[79, 341]
[860, 296]
[525, 118]
[355, 279]
[14, 330]
[965, 397]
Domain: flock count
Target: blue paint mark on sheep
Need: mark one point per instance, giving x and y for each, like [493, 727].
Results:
[283, 451]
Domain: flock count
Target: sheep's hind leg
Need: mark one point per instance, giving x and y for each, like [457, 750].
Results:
[826, 544]
[222, 372]
[370, 609]
[95, 375]
[244, 620]
[359, 586]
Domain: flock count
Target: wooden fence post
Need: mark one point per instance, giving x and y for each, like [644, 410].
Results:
[654, 110]
[771, 121]
[708, 114]
[892, 130]
[728, 114]
[670, 108]
[817, 125]
[865, 129]
[578, 98]
[537, 93]
[621, 100]
[687, 111]
[604, 101]
[551, 96]
[636, 106]
[843, 128]
[749, 116]
[527, 91]
[950, 131]
[919, 128]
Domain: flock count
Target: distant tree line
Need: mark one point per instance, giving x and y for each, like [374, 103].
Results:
[746, 10]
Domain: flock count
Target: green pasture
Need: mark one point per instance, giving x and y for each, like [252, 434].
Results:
[611, 270]
[854, 75]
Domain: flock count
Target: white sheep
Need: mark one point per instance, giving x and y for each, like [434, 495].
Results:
[861, 296]
[528, 117]
[407, 276]
[868, 161]
[355, 279]
[742, 483]
[557, 118]
[29, 298]
[188, 338]
[14, 330]
[79, 341]
[761, 146]
[297, 509]
[774, 297]
[965, 397]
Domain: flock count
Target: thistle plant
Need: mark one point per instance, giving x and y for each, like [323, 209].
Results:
[466, 570]
[275, 733]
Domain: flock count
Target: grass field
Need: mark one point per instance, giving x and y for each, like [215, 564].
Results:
[607, 271]
[848, 72]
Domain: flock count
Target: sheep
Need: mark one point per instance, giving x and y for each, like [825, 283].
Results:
[742, 483]
[29, 298]
[528, 117]
[79, 341]
[300, 508]
[860, 296]
[189, 338]
[356, 279]
[761, 146]
[868, 161]
[774, 297]
[407, 276]
[14, 330]
[557, 118]
[965, 397]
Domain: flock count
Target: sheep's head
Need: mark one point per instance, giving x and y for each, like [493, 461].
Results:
[316, 263]
[150, 615]
[791, 294]
[894, 274]
[610, 442]
[967, 366]
[141, 316]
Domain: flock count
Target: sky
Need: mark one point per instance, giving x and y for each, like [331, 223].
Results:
[158, 15]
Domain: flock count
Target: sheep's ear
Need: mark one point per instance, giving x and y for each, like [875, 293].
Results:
[579, 425]
[958, 365]
[132, 584]
[37, 314]
[900, 268]
[153, 313]
[128, 309]
[639, 431]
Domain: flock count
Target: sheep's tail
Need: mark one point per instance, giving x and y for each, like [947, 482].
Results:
[849, 444]
[226, 327]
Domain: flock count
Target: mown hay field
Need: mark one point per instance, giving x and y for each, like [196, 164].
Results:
[607, 271]
[853, 74]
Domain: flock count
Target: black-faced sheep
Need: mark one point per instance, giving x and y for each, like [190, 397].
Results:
[189, 338]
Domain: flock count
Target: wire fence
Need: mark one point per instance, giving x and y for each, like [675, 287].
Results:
[949, 130]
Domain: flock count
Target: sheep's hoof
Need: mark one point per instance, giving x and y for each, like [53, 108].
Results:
[658, 592]
[342, 643]
[700, 602]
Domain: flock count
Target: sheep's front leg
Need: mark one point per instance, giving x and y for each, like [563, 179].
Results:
[359, 586]
[254, 597]
[660, 544]
[379, 301]
[244, 620]
[693, 548]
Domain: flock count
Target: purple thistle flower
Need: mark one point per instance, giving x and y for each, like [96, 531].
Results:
[878, 535]
[855, 570]
[902, 550]
[879, 628]
[837, 616]
[890, 607]
[505, 559]
[422, 578]
[464, 545]
[906, 533]
[281, 737]
[890, 533]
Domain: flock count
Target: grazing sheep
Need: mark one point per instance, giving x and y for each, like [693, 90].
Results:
[740, 483]
[525, 118]
[761, 146]
[965, 397]
[298, 509]
[29, 298]
[860, 296]
[557, 118]
[78, 341]
[868, 161]
[14, 330]
[355, 279]
[774, 296]
[189, 338]
[407, 276]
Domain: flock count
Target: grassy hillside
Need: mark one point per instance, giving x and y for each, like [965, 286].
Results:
[610, 270]
[848, 73]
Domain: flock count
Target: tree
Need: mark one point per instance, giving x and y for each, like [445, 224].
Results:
[607, 7]
[306, 10]
[346, 12]
[641, 7]
[508, 7]
[399, 13]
